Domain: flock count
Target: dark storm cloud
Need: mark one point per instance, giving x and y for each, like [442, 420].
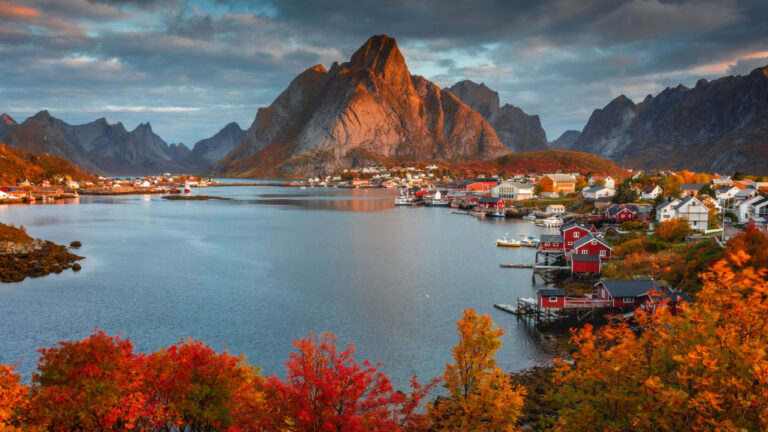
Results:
[191, 66]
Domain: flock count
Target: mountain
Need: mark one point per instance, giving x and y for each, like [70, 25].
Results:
[105, 148]
[518, 131]
[542, 162]
[210, 150]
[368, 110]
[16, 165]
[566, 140]
[717, 126]
[6, 124]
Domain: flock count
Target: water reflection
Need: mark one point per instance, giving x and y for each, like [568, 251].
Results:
[353, 205]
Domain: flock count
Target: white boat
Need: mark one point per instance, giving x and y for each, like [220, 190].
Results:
[530, 241]
[530, 217]
[404, 200]
[507, 241]
[550, 222]
[499, 214]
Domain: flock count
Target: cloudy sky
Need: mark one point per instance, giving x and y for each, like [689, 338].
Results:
[190, 67]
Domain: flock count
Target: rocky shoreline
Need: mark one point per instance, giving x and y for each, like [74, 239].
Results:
[36, 258]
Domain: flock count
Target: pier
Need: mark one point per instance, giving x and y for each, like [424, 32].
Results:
[574, 308]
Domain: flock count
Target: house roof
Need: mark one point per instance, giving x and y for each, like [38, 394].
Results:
[691, 186]
[687, 201]
[744, 193]
[490, 200]
[650, 188]
[760, 203]
[556, 206]
[561, 177]
[724, 189]
[572, 226]
[585, 258]
[586, 239]
[552, 238]
[552, 292]
[630, 288]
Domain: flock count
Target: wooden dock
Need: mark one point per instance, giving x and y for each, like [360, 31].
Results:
[576, 308]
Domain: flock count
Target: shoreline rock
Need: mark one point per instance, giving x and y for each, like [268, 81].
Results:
[37, 258]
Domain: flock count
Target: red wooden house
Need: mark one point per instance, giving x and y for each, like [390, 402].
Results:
[585, 263]
[551, 298]
[551, 243]
[573, 232]
[591, 245]
[625, 294]
[490, 203]
[619, 213]
[480, 185]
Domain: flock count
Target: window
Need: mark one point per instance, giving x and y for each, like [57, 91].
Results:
[576, 234]
[553, 299]
[602, 253]
[628, 300]
[546, 244]
[570, 243]
[584, 252]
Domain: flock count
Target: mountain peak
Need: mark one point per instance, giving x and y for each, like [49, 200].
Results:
[8, 120]
[381, 55]
[42, 115]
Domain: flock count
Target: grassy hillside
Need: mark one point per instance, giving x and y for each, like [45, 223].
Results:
[17, 165]
[540, 162]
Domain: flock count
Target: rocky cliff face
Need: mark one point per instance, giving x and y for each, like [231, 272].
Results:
[719, 126]
[518, 131]
[6, 124]
[102, 148]
[566, 140]
[210, 150]
[367, 110]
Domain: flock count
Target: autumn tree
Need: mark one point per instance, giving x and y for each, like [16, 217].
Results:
[700, 367]
[12, 396]
[481, 396]
[88, 385]
[194, 389]
[328, 390]
[673, 230]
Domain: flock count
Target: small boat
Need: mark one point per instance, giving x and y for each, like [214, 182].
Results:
[550, 222]
[404, 200]
[530, 241]
[507, 241]
[530, 217]
[438, 201]
[499, 214]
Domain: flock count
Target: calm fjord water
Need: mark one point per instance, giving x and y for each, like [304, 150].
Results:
[252, 274]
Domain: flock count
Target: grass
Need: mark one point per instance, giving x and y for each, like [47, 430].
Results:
[13, 234]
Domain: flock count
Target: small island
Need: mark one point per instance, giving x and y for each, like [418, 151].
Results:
[22, 256]
[193, 198]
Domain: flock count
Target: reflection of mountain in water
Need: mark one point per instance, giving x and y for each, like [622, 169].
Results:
[353, 205]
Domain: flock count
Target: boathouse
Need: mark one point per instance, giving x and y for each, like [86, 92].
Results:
[625, 294]
[585, 263]
[619, 213]
[551, 243]
[490, 203]
[591, 245]
[551, 298]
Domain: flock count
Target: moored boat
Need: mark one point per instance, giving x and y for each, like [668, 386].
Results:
[507, 241]
[550, 222]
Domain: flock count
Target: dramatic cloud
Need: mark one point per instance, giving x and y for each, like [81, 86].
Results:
[192, 66]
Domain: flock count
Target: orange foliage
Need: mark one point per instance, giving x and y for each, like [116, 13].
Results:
[704, 368]
[673, 230]
[17, 165]
[482, 397]
[12, 396]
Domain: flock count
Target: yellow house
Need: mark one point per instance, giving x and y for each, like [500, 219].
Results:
[554, 184]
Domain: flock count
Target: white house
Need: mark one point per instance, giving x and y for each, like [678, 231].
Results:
[595, 192]
[73, 185]
[744, 194]
[696, 213]
[759, 211]
[744, 208]
[650, 192]
[555, 209]
[725, 193]
[513, 190]
[666, 211]
[610, 183]
[3, 195]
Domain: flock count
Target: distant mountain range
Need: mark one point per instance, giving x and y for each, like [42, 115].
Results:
[717, 126]
[103, 148]
[371, 110]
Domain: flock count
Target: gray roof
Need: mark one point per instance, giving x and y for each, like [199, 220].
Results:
[691, 186]
[573, 225]
[745, 192]
[594, 189]
[631, 288]
[585, 258]
[760, 203]
[586, 239]
[551, 292]
[684, 202]
[552, 238]
[723, 189]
